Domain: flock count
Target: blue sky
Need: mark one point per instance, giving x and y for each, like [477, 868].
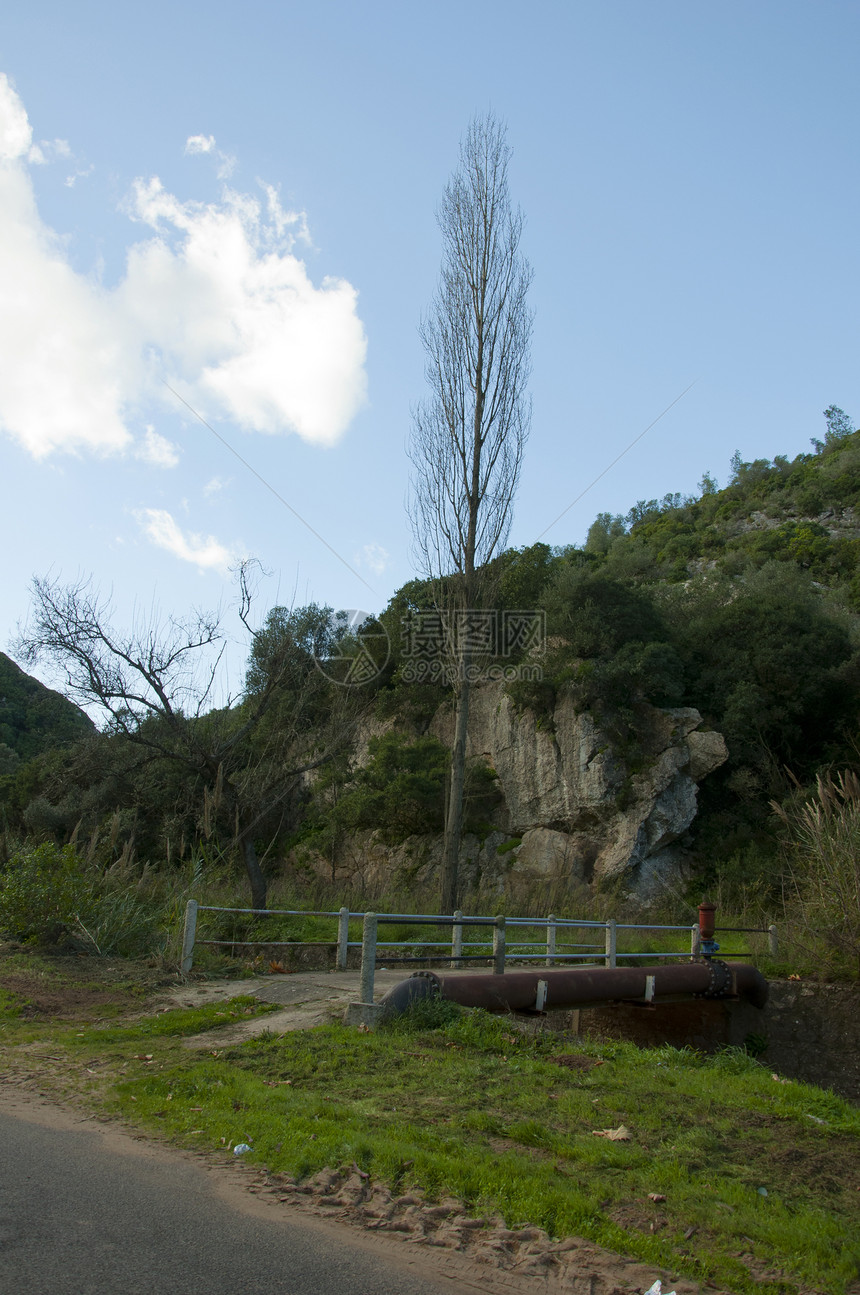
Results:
[239, 201]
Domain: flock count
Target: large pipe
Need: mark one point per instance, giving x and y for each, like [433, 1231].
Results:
[565, 987]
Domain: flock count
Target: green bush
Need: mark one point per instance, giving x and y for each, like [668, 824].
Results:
[400, 790]
[43, 889]
[50, 894]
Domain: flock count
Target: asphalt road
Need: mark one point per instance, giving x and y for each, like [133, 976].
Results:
[86, 1209]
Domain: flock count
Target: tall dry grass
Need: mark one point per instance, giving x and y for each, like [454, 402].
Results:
[822, 873]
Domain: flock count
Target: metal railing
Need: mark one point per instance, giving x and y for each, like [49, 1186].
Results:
[499, 951]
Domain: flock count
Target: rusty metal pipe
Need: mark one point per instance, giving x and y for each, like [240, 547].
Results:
[568, 987]
[707, 919]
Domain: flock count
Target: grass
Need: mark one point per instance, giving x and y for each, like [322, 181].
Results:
[464, 1104]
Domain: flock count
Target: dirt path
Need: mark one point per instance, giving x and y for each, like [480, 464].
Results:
[307, 998]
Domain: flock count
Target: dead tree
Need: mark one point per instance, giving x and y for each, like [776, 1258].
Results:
[154, 685]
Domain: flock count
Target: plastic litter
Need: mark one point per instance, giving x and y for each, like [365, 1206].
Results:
[621, 1134]
[657, 1289]
[762, 1191]
[241, 1148]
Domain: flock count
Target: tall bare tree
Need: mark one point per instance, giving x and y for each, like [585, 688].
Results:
[468, 436]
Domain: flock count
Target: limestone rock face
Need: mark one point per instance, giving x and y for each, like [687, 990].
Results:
[575, 811]
[583, 813]
[707, 752]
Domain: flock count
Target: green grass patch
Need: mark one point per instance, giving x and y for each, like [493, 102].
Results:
[464, 1104]
[182, 1022]
[761, 1179]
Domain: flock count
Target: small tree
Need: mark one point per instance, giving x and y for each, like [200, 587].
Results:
[468, 436]
[154, 684]
[839, 425]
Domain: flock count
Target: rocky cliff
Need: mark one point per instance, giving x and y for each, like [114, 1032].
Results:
[585, 813]
[574, 812]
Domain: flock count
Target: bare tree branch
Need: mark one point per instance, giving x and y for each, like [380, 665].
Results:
[153, 685]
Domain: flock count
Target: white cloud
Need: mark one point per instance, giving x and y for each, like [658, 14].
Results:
[48, 150]
[214, 487]
[213, 300]
[16, 136]
[203, 551]
[284, 220]
[206, 144]
[226, 165]
[373, 557]
[63, 369]
[157, 450]
[242, 322]
[71, 180]
[199, 144]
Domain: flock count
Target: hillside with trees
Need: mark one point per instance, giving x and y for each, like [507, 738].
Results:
[743, 602]
[33, 718]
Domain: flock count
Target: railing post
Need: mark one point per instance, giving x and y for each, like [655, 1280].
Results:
[611, 943]
[550, 940]
[368, 957]
[772, 946]
[457, 939]
[342, 938]
[499, 946]
[188, 934]
[695, 943]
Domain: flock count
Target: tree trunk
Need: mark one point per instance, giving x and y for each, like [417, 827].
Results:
[252, 867]
[454, 816]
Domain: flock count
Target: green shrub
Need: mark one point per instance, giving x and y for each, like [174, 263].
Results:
[43, 889]
[49, 894]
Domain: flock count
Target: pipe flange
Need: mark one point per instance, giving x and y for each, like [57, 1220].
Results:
[432, 977]
[719, 979]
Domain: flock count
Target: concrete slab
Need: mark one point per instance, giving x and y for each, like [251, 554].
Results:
[308, 999]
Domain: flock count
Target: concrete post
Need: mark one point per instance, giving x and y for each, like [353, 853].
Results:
[342, 939]
[456, 940]
[550, 940]
[772, 946]
[499, 946]
[611, 943]
[368, 957]
[188, 935]
[695, 943]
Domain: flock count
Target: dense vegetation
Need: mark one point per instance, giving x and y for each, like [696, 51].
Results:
[743, 602]
[33, 718]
